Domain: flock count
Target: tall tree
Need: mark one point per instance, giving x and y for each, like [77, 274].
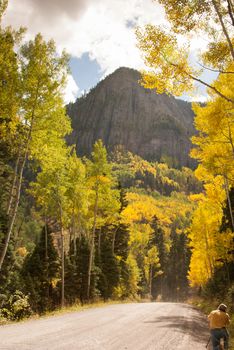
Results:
[10, 130]
[178, 267]
[209, 247]
[104, 199]
[152, 266]
[159, 240]
[50, 193]
[108, 265]
[40, 273]
[76, 274]
[41, 112]
[215, 139]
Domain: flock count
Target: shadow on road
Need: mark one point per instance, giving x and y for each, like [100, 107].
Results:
[196, 327]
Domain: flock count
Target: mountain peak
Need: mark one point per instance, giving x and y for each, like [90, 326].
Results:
[122, 112]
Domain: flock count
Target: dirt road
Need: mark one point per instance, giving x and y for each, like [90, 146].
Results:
[143, 326]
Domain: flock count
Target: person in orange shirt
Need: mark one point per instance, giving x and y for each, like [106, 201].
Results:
[219, 320]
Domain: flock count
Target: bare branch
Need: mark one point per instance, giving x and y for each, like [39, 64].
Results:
[204, 83]
[212, 88]
[215, 70]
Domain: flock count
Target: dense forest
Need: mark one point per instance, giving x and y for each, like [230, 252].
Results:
[111, 226]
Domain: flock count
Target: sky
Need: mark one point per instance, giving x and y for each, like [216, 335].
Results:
[99, 35]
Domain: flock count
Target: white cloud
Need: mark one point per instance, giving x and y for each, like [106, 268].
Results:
[104, 28]
[71, 91]
[199, 98]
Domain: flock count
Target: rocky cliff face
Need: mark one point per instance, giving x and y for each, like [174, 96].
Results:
[121, 112]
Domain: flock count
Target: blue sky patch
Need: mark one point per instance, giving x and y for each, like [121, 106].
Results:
[86, 72]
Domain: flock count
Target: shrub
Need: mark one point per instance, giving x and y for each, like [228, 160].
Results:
[16, 308]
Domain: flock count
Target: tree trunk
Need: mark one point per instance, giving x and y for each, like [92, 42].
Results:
[113, 242]
[230, 137]
[20, 179]
[73, 232]
[46, 241]
[92, 244]
[223, 28]
[150, 281]
[15, 209]
[230, 11]
[210, 267]
[229, 201]
[17, 234]
[62, 257]
[62, 274]
[99, 244]
[9, 205]
[46, 256]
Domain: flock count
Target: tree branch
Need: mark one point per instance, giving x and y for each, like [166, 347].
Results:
[223, 27]
[212, 88]
[204, 83]
[230, 11]
[215, 70]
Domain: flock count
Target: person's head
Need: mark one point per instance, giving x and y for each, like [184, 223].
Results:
[222, 307]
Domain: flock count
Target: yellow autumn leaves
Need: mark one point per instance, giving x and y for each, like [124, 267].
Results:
[170, 71]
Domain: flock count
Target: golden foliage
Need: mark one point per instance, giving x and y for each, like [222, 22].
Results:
[170, 71]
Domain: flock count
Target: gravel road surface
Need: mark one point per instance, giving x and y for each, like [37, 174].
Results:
[138, 326]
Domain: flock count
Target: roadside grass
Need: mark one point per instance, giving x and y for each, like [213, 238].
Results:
[3, 321]
[206, 306]
[77, 307]
[82, 307]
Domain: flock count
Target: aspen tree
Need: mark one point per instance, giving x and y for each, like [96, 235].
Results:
[104, 198]
[41, 108]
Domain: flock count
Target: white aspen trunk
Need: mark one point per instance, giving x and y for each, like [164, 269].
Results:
[208, 254]
[150, 281]
[92, 244]
[19, 185]
[62, 258]
[73, 233]
[46, 254]
[113, 242]
[99, 243]
[63, 265]
[15, 209]
[9, 205]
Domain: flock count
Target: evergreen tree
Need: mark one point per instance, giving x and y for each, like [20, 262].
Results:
[121, 248]
[107, 263]
[177, 267]
[9, 277]
[158, 239]
[76, 271]
[227, 220]
[40, 273]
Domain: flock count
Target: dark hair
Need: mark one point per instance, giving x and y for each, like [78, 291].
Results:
[222, 307]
